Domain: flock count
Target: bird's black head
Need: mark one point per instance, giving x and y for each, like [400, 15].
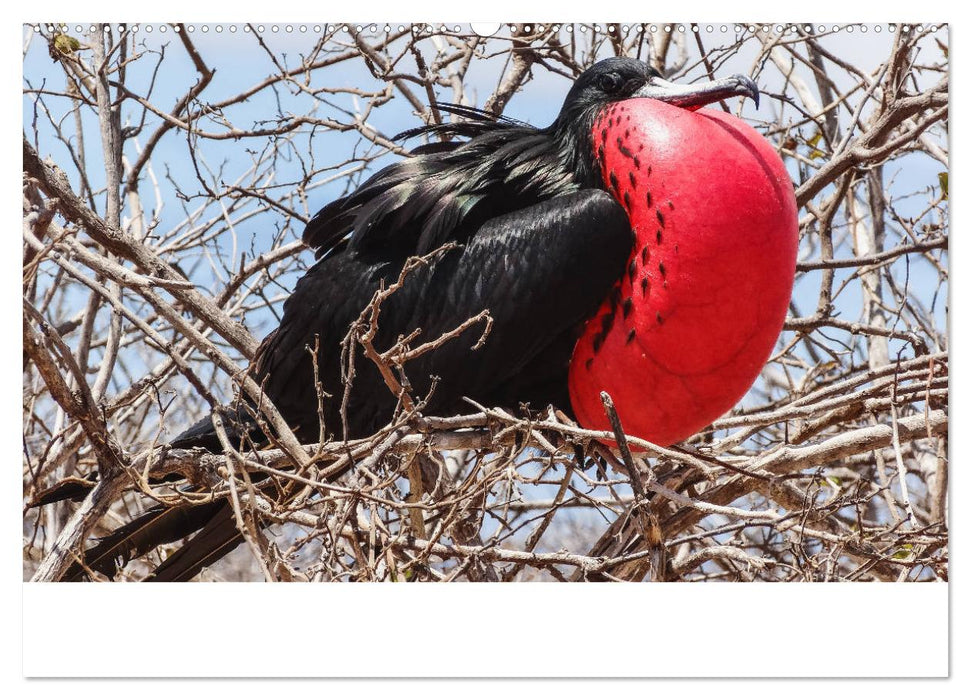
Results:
[604, 82]
[615, 79]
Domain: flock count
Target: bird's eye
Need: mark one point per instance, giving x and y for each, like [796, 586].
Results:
[610, 82]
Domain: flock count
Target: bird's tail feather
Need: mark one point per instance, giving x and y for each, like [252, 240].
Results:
[163, 524]
[216, 539]
[159, 525]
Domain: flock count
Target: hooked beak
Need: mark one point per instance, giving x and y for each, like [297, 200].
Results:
[699, 94]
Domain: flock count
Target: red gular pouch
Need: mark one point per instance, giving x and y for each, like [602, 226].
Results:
[687, 329]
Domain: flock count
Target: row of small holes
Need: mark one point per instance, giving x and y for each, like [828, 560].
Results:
[779, 29]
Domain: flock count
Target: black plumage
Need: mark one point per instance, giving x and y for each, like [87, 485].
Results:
[539, 243]
[536, 240]
[536, 296]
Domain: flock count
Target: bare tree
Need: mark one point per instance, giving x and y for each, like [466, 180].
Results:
[168, 172]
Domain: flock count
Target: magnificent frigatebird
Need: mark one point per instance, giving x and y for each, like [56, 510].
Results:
[546, 236]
